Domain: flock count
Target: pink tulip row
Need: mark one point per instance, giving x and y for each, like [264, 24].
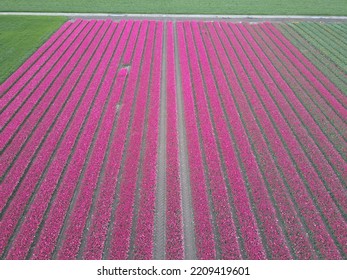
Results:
[11, 88]
[324, 93]
[248, 228]
[335, 187]
[322, 113]
[13, 149]
[102, 216]
[279, 193]
[122, 230]
[332, 71]
[205, 244]
[143, 244]
[34, 172]
[18, 119]
[108, 193]
[174, 222]
[249, 231]
[252, 73]
[82, 133]
[322, 142]
[78, 216]
[229, 245]
[295, 231]
[126, 43]
[24, 92]
[43, 197]
[323, 85]
[25, 156]
[46, 47]
[49, 182]
[312, 127]
[273, 237]
[19, 130]
[129, 52]
[77, 219]
[303, 163]
[227, 81]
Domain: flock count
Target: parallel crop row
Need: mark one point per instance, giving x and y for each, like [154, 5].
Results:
[115, 135]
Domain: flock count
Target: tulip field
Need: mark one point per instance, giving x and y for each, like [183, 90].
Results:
[176, 140]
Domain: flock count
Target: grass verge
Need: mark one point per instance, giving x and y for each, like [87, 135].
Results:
[261, 7]
[20, 36]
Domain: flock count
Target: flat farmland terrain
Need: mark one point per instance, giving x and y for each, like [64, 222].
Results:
[224, 7]
[176, 140]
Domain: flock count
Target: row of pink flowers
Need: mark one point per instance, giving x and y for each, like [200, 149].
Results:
[48, 184]
[28, 92]
[266, 163]
[24, 123]
[228, 240]
[79, 213]
[333, 158]
[322, 83]
[83, 132]
[323, 114]
[79, 145]
[270, 105]
[103, 218]
[204, 239]
[174, 221]
[35, 61]
[125, 211]
[25, 156]
[143, 244]
[273, 235]
[319, 162]
[293, 227]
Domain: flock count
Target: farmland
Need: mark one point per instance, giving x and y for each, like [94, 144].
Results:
[176, 140]
[224, 7]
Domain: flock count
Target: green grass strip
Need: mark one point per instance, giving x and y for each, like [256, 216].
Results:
[21, 36]
[231, 7]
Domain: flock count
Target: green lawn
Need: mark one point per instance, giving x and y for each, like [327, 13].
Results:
[20, 37]
[264, 7]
